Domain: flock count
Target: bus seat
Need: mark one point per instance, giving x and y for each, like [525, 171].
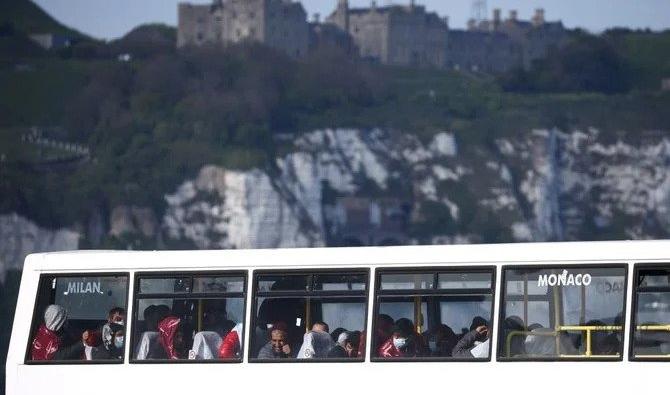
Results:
[205, 345]
[146, 344]
[315, 345]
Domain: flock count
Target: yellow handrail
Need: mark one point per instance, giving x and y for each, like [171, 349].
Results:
[566, 328]
[665, 327]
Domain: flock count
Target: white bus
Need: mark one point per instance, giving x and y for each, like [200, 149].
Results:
[546, 318]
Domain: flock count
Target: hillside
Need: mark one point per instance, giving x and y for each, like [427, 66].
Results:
[28, 18]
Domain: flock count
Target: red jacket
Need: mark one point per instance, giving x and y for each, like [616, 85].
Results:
[230, 346]
[45, 344]
[167, 329]
[388, 350]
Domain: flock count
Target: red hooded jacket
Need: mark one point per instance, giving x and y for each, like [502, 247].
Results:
[230, 346]
[45, 344]
[167, 329]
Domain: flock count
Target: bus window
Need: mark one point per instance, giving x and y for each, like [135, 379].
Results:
[433, 313]
[651, 321]
[555, 313]
[79, 318]
[309, 315]
[189, 316]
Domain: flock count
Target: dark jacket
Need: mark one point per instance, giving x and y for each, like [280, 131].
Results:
[337, 352]
[463, 347]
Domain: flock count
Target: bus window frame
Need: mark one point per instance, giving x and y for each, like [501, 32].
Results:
[190, 273]
[637, 267]
[51, 276]
[310, 292]
[435, 291]
[558, 265]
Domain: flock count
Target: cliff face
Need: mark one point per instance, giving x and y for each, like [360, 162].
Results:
[20, 237]
[539, 186]
[547, 185]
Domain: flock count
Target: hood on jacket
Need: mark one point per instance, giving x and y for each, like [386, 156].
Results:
[167, 330]
[54, 317]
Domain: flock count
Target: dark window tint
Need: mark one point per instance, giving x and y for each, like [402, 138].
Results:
[651, 323]
[79, 318]
[433, 314]
[189, 317]
[309, 316]
[562, 312]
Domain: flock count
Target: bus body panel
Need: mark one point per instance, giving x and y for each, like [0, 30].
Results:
[328, 377]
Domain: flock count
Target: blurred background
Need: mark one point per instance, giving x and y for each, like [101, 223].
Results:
[269, 124]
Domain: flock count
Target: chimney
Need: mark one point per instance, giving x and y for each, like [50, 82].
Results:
[373, 5]
[412, 3]
[513, 14]
[317, 17]
[472, 24]
[445, 19]
[496, 18]
[538, 18]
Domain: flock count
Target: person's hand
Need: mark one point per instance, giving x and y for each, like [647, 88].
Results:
[286, 349]
[482, 330]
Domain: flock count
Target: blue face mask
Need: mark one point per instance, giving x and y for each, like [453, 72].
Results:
[399, 342]
[118, 341]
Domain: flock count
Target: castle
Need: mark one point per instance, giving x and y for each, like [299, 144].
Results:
[280, 24]
[403, 35]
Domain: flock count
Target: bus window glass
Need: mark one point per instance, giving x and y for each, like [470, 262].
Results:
[562, 313]
[418, 317]
[403, 281]
[203, 320]
[79, 318]
[324, 317]
[651, 339]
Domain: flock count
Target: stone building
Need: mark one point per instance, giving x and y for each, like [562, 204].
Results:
[499, 45]
[395, 35]
[280, 24]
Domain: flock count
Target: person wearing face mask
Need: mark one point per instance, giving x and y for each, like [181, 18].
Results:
[112, 346]
[402, 342]
[277, 347]
[347, 345]
[51, 342]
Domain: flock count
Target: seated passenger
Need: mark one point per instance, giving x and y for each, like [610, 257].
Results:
[474, 344]
[231, 345]
[347, 345]
[603, 342]
[402, 342]
[441, 341]
[383, 326]
[171, 338]
[316, 343]
[277, 347]
[112, 343]
[51, 342]
[116, 316]
[335, 334]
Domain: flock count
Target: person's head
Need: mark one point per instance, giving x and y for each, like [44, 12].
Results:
[320, 326]
[278, 339]
[117, 315]
[384, 324]
[477, 322]
[351, 343]
[335, 334]
[401, 332]
[117, 333]
[55, 317]
[151, 318]
[162, 311]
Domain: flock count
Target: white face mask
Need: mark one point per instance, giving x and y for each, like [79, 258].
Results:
[399, 342]
[118, 341]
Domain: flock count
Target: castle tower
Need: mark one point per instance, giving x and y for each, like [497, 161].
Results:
[342, 14]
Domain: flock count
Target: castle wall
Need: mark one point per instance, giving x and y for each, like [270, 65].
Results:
[197, 25]
[370, 33]
[416, 38]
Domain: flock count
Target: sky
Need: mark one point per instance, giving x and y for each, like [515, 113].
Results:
[109, 19]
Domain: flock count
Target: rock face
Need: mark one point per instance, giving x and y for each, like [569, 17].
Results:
[545, 185]
[20, 237]
[133, 219]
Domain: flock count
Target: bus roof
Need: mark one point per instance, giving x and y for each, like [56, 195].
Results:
[519, 253]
